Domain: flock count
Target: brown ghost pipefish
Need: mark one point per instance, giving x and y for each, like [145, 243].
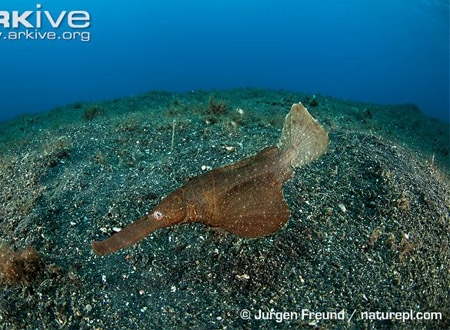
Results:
[244, 198]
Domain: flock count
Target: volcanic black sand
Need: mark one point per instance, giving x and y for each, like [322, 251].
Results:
[369, 229]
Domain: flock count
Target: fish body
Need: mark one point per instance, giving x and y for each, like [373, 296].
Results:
[244, 198]
[231, 197]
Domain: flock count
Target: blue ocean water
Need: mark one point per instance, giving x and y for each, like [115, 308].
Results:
[384, 51]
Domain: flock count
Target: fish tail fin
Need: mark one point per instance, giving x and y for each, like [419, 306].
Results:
[303, 139]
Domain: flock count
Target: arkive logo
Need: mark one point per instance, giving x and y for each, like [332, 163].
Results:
[30, 24]
[76, 19]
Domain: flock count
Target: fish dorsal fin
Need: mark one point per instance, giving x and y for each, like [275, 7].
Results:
[302, 137]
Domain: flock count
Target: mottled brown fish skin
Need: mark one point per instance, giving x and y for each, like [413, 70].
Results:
[129, 235]
[244, 198]
[229, 197]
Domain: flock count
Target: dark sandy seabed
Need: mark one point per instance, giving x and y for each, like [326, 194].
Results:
[369, 229]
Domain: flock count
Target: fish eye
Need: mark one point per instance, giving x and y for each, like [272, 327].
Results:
[158, 215]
